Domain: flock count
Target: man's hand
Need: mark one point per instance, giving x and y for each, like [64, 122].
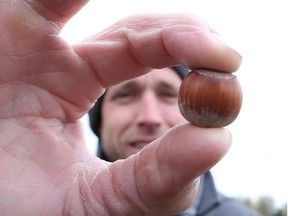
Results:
[47, 85]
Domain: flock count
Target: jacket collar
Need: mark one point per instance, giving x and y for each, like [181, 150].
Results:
[210, 198]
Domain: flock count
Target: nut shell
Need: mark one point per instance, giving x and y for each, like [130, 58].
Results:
[210, 98]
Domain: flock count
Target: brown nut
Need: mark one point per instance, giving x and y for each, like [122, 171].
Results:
[210, 98]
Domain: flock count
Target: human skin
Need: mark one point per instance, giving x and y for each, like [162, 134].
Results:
[47, 86]
[138, 111]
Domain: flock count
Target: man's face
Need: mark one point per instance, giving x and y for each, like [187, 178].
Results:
[138, 111]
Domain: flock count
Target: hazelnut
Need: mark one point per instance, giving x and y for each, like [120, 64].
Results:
[210, 98]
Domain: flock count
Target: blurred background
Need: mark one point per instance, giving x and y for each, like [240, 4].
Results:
[254, 168]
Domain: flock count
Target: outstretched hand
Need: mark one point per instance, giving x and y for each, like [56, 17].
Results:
[46, 86]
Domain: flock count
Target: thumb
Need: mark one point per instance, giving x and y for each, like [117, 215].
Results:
[162, 178]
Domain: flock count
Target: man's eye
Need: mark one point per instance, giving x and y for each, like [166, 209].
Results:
[123, 95]
[169, 94]
[169, 97]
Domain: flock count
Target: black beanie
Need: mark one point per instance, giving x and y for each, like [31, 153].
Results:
[95, 112]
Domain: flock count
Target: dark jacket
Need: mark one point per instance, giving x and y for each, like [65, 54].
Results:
[213, 203]
[209, 202]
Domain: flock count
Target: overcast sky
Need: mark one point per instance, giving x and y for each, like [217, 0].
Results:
[256, 165]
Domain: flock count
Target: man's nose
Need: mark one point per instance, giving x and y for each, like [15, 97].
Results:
[149, 112]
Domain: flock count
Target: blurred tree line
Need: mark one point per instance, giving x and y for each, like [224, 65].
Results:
[266, 206]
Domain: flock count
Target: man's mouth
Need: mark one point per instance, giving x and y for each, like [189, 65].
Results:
[139, 145]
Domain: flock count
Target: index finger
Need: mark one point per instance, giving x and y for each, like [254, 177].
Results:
[134, 45]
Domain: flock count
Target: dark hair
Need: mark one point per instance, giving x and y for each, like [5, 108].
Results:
[95, 112]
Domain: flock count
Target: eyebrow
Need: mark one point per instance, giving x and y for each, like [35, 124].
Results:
[134, 84]
[165, 84]
[124, 86]
[127, 85]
